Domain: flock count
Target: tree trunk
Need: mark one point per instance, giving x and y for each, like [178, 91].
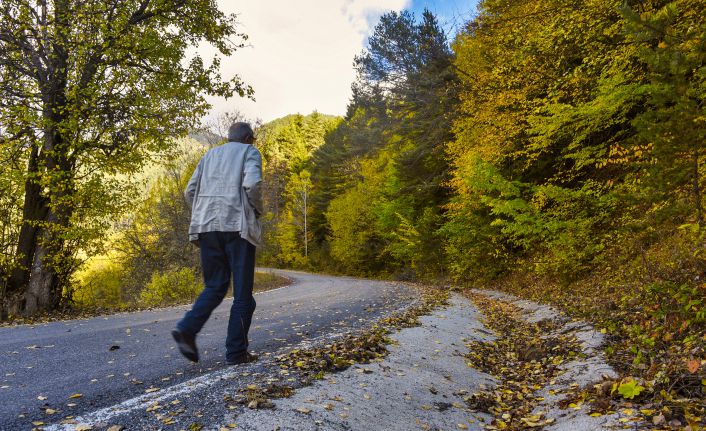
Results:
[35, 210]
[36, 284]
[42, 292]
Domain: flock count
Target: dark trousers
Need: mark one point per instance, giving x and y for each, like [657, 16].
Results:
[223, 254]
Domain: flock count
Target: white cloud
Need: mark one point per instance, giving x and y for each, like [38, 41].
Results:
[300, 55]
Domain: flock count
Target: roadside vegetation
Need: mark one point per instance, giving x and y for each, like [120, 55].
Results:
[551, 149]
[101, 295]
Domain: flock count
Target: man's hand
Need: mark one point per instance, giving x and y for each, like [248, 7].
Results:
[196, 243]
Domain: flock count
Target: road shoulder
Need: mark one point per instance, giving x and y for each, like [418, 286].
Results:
[420, 384]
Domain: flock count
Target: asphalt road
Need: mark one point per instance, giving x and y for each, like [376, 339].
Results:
[113, 359]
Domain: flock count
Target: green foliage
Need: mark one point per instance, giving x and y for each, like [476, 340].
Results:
[100, 285]
[673, 127]
[378, 180]
[629, 389]
[92, 92]
[352, 219]
[171, 287]
[155, 235]
[152, 238]
[286, 145]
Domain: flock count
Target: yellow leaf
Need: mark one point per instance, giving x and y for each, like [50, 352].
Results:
[76, 396]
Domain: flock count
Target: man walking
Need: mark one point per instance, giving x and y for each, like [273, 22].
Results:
[224, 195]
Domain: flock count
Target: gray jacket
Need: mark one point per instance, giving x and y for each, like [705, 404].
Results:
[224, 192]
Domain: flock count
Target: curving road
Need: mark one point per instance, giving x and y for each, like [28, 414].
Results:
[112, 361]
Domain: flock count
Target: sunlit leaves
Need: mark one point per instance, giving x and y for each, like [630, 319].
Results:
[629, 388]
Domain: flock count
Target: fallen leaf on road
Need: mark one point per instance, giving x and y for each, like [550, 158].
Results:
[693, 365]
[49, 411]
[41, 398]
[38, 423]
[76, 396]
[115, 428]
[153, 407]
[150, 390]
[462, 426]
[303, 410]
[83, 427]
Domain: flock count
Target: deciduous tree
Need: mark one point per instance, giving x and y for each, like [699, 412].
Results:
[89, 92]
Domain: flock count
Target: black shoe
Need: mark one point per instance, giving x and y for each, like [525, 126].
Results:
[187, 345]
[242, 359]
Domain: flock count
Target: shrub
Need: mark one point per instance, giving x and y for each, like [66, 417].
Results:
[171, 287]
[99, 285]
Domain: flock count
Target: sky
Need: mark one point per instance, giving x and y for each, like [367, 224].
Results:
[299, 55]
